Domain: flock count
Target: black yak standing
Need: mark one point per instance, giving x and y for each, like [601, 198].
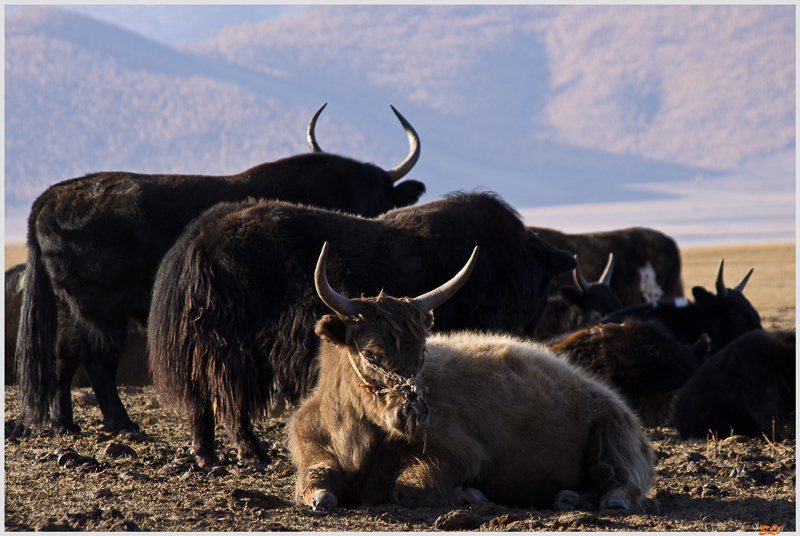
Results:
[231, 329]
[94, 244]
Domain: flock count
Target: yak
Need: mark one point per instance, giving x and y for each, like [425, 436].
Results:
[747, 389]
[648, 262]
[94, 244]
[579, 305]
[13, 281]
[723, 317]
[231, 328]
[416, 420]
[642, 360]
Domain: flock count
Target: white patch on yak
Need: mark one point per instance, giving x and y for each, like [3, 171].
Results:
[681, 302]
[648, 284]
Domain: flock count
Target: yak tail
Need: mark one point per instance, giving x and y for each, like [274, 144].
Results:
[35, 353]
[201, 344]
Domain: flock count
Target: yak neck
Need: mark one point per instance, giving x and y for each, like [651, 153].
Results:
[338, 385]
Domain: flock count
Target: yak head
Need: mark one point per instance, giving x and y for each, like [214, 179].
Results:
[597, 297]
[392, 192]
[728, 314]
[382, 342]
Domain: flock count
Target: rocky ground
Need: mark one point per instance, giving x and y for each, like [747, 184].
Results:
[95, 481]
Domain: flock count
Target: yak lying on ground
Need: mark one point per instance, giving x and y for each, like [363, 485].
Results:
[641, 359]
[401, 417]
[579, 305]
[231, 329]
[94, 244]
[648, 262]
[745, 389]
[723, 317]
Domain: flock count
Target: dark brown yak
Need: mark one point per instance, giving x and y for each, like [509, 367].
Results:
[641, 359]
[95, 242]
[452, 419]
[648, 262]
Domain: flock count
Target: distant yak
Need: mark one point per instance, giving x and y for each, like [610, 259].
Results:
[746, 389]
[94, 245]
[578, 305]
[641, 359]
[647, 262]
[723, 317]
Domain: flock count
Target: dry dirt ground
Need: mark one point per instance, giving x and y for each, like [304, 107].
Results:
[94, 481]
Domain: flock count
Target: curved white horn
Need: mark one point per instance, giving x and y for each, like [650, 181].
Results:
[405, 166]
[743, 282]
[433, 299]
[312, 138]
[338, 303]
[577, 275]
[722, 290]
[606, 277]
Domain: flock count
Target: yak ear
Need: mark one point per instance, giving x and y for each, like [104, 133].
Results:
[331, 328]
[702, 297]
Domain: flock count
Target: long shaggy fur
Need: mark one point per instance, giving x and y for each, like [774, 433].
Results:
[507, 417]
[35, 352]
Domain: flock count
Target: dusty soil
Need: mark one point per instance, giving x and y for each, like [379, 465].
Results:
[124, 483]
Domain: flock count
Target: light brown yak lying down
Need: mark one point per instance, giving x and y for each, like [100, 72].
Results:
[454, 419]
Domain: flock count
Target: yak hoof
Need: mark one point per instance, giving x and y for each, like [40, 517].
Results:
[473, 496]
[324, 499]
[65, 428]
[566, 500]
[615, 502]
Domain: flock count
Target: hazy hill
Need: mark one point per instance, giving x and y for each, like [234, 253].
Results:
[546, 105]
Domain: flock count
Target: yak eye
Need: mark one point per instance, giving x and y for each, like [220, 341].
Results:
[369, 355]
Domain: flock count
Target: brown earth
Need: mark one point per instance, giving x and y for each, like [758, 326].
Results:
[736, 484]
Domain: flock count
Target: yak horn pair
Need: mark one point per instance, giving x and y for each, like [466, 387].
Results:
[427, 302]
[605, 279]
[722, 290]
[396, 173]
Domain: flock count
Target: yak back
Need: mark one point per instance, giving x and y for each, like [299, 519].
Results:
[239, 281]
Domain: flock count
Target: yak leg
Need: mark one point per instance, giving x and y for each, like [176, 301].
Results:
[201, 422]
[100, 359]
[247, 443]
[321, 485]
[68, 359]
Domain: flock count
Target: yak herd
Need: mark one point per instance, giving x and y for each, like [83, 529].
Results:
[529, 387]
